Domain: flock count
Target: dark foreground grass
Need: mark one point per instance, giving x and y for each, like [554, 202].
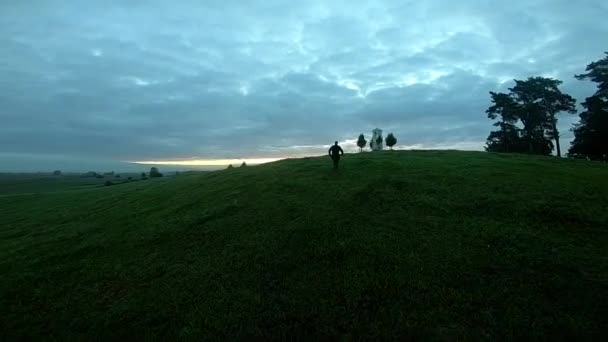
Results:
[439, 245]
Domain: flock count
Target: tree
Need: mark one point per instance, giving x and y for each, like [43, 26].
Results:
[534, 102]
[361, 142]
[243, 164]
[554, 102]
[508, 138]
[229, 166]
[143, 175]
[598, 72]
[391, 140]
[539, 100]
[57, 172]
[379, 140]
[155, 173]
[591, 133]
[371, 144]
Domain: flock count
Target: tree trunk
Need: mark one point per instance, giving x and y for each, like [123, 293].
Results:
[556, 135]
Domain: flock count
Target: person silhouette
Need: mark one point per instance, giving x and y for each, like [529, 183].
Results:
[335, 152]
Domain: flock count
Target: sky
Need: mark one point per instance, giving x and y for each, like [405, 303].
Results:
[91, 84]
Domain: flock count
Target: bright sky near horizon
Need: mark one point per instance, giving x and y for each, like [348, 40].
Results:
[83, 83]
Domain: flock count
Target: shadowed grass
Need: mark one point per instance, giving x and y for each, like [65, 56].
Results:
[438, 244]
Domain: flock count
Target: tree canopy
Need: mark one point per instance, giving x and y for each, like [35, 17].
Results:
[591, 133]
[535, 103]
[391, 140]
[361, 142]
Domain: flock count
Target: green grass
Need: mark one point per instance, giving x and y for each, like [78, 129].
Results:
[33, 183]
[433, 245]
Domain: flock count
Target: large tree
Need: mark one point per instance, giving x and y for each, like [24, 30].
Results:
[540, 100]
[361, 142]
[535, 103]
[591, 133]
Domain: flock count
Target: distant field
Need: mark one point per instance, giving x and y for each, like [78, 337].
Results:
[19, 183]
[426, 245]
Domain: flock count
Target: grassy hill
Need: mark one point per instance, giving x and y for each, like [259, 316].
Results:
[397, 244]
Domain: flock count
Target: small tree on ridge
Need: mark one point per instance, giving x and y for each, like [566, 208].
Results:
[361, 142]
[391, 140]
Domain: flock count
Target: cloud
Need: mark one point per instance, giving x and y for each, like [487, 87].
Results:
[119, 80]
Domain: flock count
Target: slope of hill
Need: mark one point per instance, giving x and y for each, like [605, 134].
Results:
[438, 244]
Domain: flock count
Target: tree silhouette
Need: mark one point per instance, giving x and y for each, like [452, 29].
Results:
[391, 140]
[591, 133]
[534, 102]
[539, 101]
[597, 72]
[243, 164]
[508, 138]
[379, 140]
[155, 173]
[361, 142]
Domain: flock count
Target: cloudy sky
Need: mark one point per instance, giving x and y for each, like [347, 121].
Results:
[107, 81]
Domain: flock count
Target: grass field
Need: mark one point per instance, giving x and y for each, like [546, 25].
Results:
[434, 245]
[33, 183]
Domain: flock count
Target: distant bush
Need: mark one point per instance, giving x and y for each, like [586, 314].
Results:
[111, 173]
[108, 183]
[117, 176]
[244, 164]
[155, 173]
[229, 166]
[99, 176]
[130, 179]
[57, 172]
[90, 174]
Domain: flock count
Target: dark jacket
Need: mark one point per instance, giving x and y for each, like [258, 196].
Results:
[335, 151]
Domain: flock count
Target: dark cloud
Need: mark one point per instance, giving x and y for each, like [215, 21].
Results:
[117, 80]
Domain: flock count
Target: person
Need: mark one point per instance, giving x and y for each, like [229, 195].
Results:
[335, 152]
